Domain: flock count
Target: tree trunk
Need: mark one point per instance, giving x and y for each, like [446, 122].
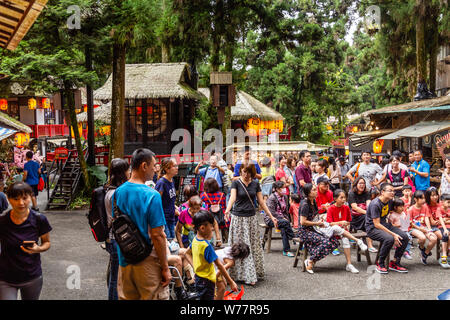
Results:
[118, 103]
[70, 107]
[434, 44]
[90, 112]
[217, 36]
[165, 49]
[421, 62]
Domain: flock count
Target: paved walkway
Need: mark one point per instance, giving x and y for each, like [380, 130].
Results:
[74, 247]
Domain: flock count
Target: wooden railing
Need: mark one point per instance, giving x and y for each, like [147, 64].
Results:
[49, 130]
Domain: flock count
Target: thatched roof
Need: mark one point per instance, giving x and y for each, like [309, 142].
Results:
[102, 113]
[156, 80]
[440, 103]
[248, 107]
[13, 123]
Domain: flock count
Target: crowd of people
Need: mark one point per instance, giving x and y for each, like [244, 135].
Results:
[213, 238]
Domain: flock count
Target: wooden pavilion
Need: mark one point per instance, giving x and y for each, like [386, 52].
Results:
[159, 98]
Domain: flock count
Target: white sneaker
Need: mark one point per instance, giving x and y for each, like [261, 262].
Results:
[362, 245]
[351, 268]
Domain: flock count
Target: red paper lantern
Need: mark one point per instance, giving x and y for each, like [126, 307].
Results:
[3, 104]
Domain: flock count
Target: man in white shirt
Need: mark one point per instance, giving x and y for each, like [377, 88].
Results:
[365, 169]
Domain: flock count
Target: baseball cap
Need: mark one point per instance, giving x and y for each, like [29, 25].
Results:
[323, 179]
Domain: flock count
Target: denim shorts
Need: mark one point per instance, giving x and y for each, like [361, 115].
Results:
[205, 288]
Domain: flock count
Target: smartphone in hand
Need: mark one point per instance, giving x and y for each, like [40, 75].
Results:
[28, 244]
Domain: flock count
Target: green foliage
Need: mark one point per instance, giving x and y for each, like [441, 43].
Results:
[98, 174]
[81, 202]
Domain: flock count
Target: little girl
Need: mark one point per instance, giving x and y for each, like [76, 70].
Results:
[399, 219]
[417, 213]
[228, 256]
[338, 220]
[184, 229]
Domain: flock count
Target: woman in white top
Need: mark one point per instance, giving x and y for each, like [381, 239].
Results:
[334, 174]
[445, 179]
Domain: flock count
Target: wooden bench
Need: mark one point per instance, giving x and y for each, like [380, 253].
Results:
[302, 253]
[363, 236]
[267, 237]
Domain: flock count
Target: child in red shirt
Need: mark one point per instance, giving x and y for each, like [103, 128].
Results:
[324, 195]
[338, 215]
[417, 213]
[293, 210]
[443, 215]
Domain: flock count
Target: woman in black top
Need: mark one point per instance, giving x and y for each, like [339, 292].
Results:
[20, 260]
[397, 176]
[318, 245]
[358, 201]
[244, 225]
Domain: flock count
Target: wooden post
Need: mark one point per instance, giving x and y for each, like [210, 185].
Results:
[90, 112]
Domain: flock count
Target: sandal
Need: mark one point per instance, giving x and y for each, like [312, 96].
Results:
[306, 265]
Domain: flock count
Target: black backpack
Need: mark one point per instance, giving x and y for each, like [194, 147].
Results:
[97, 215]
[132, 244]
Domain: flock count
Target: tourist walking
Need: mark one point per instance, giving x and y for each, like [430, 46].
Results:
[31, 172]
[120, 173]
[21, 229]
[148, 279]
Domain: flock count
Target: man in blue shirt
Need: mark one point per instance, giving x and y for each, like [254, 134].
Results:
[31, 172]
[149, 279]
[420, 170]
[246, 159]
[213, 171]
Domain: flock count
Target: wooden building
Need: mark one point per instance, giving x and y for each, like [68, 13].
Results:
[16, 18]
[159, 98]
[420, 125]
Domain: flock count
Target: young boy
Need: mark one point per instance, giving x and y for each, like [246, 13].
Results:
[203, 257]
[398, 218]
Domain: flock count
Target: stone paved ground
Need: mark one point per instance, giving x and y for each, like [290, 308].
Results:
[73, 245]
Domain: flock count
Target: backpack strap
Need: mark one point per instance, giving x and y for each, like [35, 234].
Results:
[117, 211]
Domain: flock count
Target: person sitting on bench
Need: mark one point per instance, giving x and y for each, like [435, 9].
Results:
[379, 229]
[278, 204]
[318, 245]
